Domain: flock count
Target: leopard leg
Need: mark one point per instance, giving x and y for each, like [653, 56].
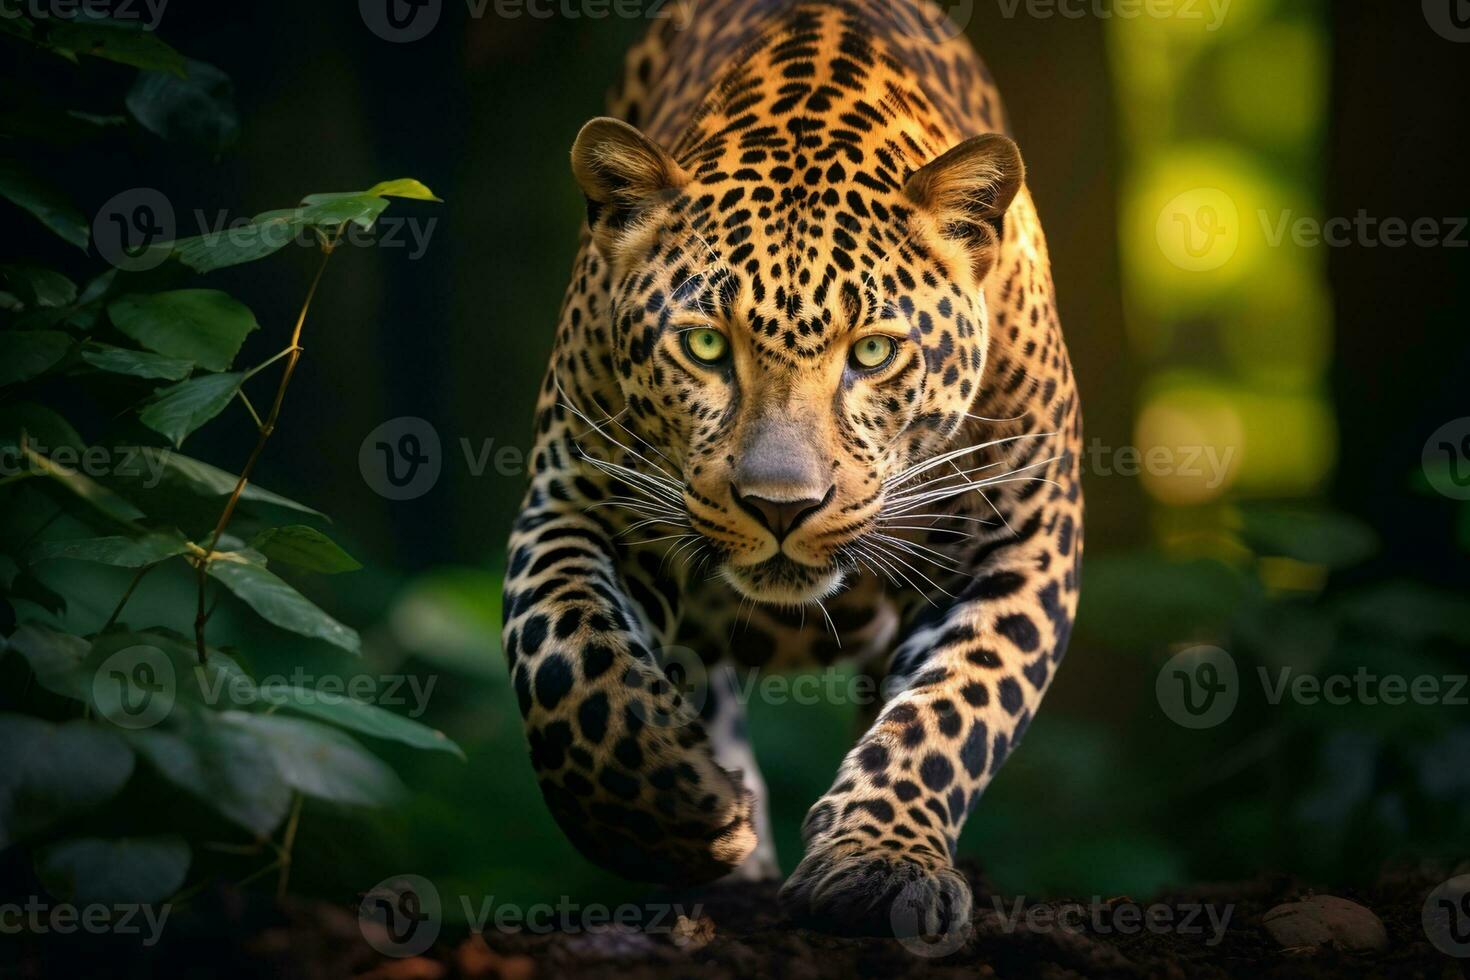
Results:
[964, 682]
[625, 765]
[724, 718]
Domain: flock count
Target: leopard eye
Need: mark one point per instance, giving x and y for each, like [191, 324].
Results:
[872, 352]
[706, 346]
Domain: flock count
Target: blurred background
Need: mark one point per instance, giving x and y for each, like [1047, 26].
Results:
[1265, 418]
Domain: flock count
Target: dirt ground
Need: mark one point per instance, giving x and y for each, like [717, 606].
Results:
[739, 931]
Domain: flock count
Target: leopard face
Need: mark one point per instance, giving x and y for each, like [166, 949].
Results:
[795, 332]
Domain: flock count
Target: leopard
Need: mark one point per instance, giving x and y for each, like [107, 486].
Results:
[808, 408]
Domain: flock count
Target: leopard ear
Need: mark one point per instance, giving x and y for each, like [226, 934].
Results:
[622, 173]
[966, 191]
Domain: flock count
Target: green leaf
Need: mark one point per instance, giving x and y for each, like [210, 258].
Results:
[227, 767]
[55, 658]
[26, 586]
[136, 870]
[16, 27]
[280, 604]
[139, 364]
[198, 108]
[304, 547]
[26, 354]
[88, 489]
[265, 234]
[38, 286]
[205, 326]
[53, 210]
[49, 772]
[119, 551]
[210, 481]
[180, 409]
[1410, 610]
[125, 44]
[40, 424]
[218, 680]
[369, 719]
[405, 187]
[331, 210]
[1315, 537]
[323, 762]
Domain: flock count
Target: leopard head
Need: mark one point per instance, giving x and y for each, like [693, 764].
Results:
[793, 329]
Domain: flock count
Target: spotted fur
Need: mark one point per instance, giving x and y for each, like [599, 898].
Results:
[797, 176]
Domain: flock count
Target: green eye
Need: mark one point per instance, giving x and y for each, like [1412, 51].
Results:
[706, 346]
[872, 351]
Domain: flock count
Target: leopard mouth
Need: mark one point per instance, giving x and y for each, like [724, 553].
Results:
[781, 580]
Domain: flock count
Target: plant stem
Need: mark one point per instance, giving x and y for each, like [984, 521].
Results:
[112, 620]
[293, 354]
[288, 842]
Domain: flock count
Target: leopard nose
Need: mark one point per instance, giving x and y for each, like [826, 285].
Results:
[780, 517]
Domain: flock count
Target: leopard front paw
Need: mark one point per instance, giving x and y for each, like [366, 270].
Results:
[855, 890]
[681, 823]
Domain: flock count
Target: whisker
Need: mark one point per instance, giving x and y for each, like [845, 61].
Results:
[918, 550]
[913, 471]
